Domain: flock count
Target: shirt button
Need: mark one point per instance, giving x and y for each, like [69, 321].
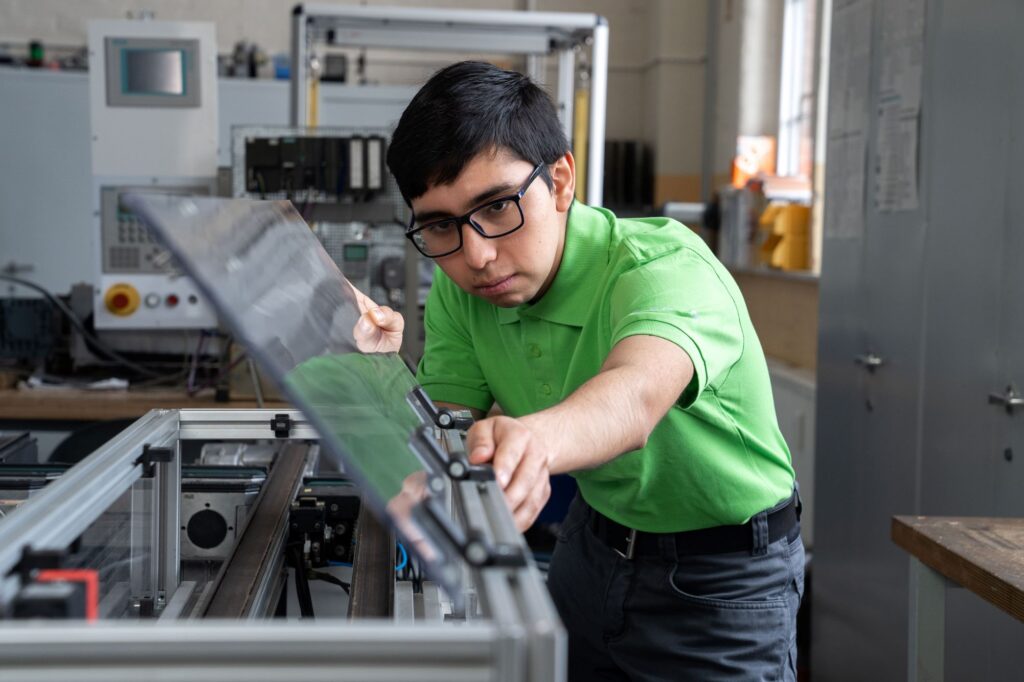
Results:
[535, 350]
[545, 389]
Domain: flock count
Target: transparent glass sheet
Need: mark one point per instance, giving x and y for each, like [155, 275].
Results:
[280, 293]
[119, 546]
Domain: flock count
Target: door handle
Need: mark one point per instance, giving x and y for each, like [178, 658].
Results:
[1009, 399]
[869, 361]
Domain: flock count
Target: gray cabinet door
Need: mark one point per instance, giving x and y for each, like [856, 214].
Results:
[938, 295]
[866, 467]
[1005, 640]
[968, 121]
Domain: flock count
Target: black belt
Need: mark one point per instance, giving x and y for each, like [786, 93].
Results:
[629, 543]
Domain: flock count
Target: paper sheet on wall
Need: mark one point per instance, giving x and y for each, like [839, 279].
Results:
[846, 152]
[899, 105]
[844, 180]
[896, 161]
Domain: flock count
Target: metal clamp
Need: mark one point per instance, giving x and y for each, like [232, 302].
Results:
[447, 419]
[151, 456]
[281, 425]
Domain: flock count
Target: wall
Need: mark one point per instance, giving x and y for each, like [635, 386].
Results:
[674, 86]
[784, 310]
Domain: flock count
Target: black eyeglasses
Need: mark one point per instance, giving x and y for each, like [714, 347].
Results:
[496, 218]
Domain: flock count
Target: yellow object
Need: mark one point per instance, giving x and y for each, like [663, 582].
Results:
[581, 140]
[122, 299]
[785, 242]
[313, 115]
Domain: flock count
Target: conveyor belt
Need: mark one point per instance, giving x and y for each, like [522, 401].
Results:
[248, 579]
[373, 569]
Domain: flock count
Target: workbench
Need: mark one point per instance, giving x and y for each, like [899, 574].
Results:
[52, 414]
[983, 555]
[80, 405]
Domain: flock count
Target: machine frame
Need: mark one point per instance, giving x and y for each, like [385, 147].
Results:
[488, 31]
[517, 636]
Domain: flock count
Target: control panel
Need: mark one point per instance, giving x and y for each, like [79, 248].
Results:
[153, 124]
[139, 287]
[314, 167]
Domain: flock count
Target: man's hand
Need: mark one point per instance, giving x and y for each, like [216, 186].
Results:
[520, 461]
[379, 328]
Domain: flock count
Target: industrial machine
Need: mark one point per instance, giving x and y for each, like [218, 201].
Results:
[153, 116]
[338, 180]
[130, 535]
[102, 541]
[536, 35]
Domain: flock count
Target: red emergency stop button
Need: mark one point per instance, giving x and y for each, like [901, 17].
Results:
[121, 299]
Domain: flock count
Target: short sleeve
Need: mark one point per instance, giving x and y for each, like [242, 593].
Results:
[679, 297]
[449, 370]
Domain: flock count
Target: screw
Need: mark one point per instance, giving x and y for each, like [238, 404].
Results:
[334, 507]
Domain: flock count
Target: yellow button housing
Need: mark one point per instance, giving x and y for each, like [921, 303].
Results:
[122, 299]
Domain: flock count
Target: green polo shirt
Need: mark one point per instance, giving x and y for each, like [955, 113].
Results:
[717, 457]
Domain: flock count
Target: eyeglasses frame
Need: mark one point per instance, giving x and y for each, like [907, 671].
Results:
[464, 219]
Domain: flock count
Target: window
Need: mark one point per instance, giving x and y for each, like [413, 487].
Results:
[796, 100]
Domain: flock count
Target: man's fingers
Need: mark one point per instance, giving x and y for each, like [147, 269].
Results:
[379, 330]
[511, 442]
[366, 326]
[387, 319]
[528, 511]
[480, 441]
[527, 477]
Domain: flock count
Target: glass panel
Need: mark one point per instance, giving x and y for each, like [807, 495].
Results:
[286, 300]
[120, 547]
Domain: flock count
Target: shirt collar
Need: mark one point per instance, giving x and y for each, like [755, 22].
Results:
[585, 254]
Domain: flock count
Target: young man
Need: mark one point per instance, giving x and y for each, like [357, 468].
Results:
[620, 351]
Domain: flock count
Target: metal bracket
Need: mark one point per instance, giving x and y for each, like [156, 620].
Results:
[471, 545]
[151, 456]
[281, 425]
[447, 419]
[430, 413]
[425, 446]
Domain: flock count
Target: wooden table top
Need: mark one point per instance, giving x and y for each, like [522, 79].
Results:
[79, 405]
[985, 555]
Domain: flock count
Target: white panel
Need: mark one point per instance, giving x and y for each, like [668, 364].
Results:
[162, 141]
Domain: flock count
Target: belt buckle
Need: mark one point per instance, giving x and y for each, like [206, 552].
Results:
[630, 545]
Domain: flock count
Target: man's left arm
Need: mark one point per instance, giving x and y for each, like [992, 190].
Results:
[612, 413]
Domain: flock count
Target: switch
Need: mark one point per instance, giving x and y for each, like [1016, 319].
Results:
[122, 299]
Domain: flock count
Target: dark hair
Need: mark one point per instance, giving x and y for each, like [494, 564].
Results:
[463, 110]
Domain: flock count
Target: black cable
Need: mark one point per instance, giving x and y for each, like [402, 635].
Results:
[334, 580]
[80, 326]
[302, 585]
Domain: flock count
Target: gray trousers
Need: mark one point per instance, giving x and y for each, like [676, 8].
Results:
[676, 617]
